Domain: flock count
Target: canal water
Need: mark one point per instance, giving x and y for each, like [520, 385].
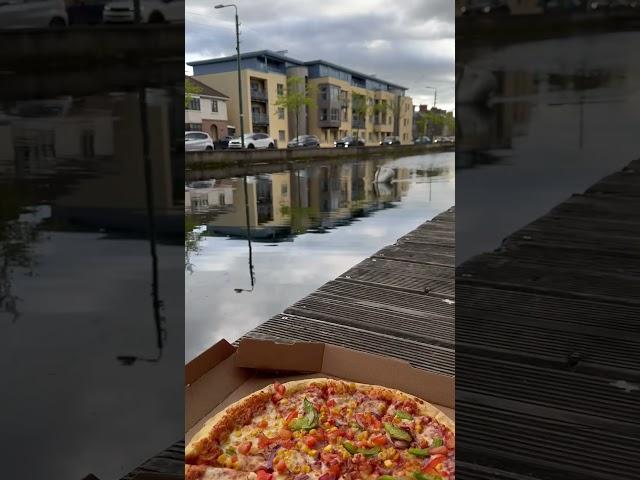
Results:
[257, 244]
[91, 338]
[559, 118]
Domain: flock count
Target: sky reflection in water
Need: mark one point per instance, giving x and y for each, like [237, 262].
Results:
[339, 218]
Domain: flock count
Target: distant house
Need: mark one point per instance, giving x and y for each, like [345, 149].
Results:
[207, 111]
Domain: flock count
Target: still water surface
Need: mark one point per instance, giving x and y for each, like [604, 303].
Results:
[83, 374]
[306, 227]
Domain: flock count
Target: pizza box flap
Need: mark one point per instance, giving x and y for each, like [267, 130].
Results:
[280, 356]
[207, 360]
[391, 372]
[211, 380]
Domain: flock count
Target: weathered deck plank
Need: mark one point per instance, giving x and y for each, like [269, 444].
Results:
[548, 340]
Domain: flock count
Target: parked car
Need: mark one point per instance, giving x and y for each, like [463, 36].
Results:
[223, 143]
[197, 142]
[28, 14]
[304, 141]
[349, 141]
[152, 11]
[253, 140]
[422, 141]
[474, 7]
[390, 141]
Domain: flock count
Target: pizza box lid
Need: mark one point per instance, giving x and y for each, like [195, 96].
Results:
[224, 374]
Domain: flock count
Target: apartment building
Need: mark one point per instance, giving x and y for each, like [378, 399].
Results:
[345, 102]
[207, 111]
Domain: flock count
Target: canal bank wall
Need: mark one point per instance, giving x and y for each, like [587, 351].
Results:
[249, 158]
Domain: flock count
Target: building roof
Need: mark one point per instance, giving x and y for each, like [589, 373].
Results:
[205, 89]
[284, 58]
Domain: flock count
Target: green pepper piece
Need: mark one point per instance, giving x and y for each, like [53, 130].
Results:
[370, 452]
[437, 442]
[421, 476]
[397, 433]
[350, 447]
[386, 477]
[419, 452]
[404, 415]
[230, 451]
[310, 419]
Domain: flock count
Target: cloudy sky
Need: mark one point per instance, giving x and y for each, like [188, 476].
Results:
[408, 42]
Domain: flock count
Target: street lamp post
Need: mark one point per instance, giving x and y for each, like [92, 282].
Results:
[435, 93]
[239, 75]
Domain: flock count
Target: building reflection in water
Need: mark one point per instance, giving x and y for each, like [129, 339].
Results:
[286, 204]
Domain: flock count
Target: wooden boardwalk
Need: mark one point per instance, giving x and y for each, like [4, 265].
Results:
[398, 302]
[548, 343]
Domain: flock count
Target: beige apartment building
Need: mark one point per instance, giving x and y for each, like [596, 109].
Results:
[345, 102]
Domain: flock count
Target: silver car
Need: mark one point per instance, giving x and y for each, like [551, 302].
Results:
[32, 14]
[197, 142]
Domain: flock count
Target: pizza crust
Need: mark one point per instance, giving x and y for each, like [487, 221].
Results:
[225, 420]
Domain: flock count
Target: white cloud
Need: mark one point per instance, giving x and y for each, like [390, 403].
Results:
[411, 43]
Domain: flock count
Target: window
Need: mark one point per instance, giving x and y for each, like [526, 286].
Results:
[344, 115]
[214, 105]
[281, 113]
[194, 104]
[281, 135]
[323, 114]
[284, 189]
[371, 136]
[323, 91]
[231, 131]
[280, 89]
[335, 114]
[193, 127]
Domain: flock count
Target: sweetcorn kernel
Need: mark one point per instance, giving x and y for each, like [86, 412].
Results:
[327, 448]
[388, 463]
[313, 453]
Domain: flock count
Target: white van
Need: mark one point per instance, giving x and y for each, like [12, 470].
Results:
[151, 11]
[32, 14]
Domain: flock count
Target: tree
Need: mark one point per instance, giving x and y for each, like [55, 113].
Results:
[190, 89]
[297, 95]
[434, 123]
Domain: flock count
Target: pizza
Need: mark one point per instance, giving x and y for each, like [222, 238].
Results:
[324, 429]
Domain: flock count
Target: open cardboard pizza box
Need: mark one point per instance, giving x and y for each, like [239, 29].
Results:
[223, 374]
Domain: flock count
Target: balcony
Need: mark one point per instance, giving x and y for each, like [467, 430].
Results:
[327, 123]
[259, 118]
[259, 95]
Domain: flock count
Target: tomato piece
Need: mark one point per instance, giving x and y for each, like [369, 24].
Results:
[291, 416]
[310, 441]
[334, 469]
[331, 403]
[279, 388]
[244, 447]
[379, 439]
[263, 424]
[281, 466]
[375, 423]
[263, 441]
[262, 475]
[285, 434]
[433, 463]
